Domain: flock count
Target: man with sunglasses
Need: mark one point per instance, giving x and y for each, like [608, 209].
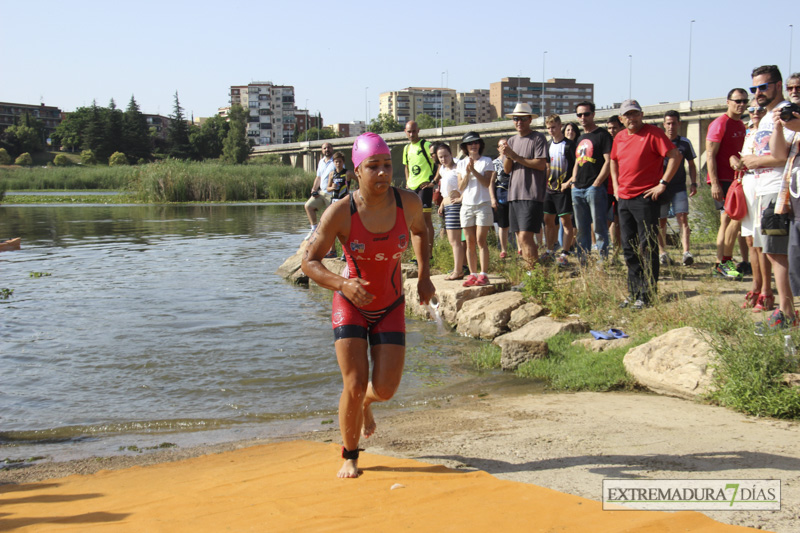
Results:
[768, 90]
[724, 139]
[526, 162]
[588, 182]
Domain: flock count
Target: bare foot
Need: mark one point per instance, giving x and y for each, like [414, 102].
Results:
[369, 422]
[349, 469]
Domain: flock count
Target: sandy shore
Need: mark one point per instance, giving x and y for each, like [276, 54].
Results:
[566, 442]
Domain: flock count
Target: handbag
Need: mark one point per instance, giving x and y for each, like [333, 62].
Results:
[735, 203]
[774, 224]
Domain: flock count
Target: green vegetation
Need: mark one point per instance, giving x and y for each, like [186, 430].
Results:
[40, 274]
[5, 293]
[134, 448]
[24, 160]
[167, 181]
[5, 159]
[117, 159]
[61, 160]
[486, 357]
[235, 147]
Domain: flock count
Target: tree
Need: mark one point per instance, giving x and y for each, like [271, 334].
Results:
[426, 122]
[314, 134]
[385, 123]
[5, 159]
[23, 139]
[71, 131]
[88, 158]
[112, 135]
[135, 134]
[207, 141]
[235, 148]
[178, 134]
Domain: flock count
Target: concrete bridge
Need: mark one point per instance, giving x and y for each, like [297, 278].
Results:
[696, 115]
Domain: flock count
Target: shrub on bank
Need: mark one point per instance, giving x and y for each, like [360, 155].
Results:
[117, 159]
[61, 160]
[88, 158]
[24, 160]
[5, 159]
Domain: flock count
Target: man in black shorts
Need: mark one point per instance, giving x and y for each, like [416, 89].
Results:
[526, 161]
[557, 203]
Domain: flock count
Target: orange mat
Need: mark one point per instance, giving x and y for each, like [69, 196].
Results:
[292, 487]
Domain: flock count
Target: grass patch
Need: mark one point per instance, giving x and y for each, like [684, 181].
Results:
[577, 368]
[487, 357]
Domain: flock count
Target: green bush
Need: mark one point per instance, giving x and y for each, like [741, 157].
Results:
[117, 158]
[61, 160]
[24, 160]
[5, 159]
[88, 158]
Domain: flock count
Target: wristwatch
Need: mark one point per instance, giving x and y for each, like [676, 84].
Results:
[663, 182]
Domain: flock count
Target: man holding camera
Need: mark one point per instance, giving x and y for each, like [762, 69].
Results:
[768, 90]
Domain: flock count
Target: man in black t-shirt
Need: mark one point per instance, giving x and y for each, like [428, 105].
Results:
[588, 182]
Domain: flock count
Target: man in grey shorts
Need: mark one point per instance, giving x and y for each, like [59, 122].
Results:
[676, 190]
[768, 89]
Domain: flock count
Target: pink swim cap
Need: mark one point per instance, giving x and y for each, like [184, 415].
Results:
[367, 145]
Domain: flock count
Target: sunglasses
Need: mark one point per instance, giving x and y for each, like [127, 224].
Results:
[758, 109]
[520, 119]
[762, 87]
[581, 115]
[739, 100]
[473, 142]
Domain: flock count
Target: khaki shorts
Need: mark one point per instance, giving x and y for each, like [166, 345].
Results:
[319, 202]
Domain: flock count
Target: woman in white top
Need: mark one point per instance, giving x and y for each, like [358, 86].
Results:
[475, 177]
[451, 208]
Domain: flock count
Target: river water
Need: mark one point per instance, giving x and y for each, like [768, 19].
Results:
[136, 325]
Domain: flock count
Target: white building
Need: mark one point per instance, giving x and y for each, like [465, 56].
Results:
[271, 107]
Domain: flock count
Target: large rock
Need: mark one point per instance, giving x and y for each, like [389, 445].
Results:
[452, 295]
[524, 314]
[488, 317]
[600, 345]
[530, 341]
[675, 363]
[292, 264]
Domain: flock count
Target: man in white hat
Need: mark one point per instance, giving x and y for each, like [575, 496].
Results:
[526, 161]
[640, 178]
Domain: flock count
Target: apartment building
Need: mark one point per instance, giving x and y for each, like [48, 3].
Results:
[348, 129]
[473, 107]
[407, 104]
[556, 95]
[305, 121]
[271, 109]
[11, 114]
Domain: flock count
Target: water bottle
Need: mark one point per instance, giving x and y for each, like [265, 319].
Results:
[790, 353]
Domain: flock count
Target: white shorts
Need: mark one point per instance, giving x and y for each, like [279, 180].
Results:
[477, 215]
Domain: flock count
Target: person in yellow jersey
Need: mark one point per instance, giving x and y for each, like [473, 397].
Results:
[420, 175]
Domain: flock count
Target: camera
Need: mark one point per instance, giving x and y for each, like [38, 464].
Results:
[786, 112]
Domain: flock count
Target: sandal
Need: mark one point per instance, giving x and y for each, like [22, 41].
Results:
[764, 303]
[452, 277]
[751, 299]
[503, 255]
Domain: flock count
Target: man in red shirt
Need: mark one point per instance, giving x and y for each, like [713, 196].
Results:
[725, 138]
[639, 178]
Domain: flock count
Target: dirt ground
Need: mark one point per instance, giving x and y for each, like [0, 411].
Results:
[567, 442]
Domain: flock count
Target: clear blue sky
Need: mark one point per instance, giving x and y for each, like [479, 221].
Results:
[70, 53]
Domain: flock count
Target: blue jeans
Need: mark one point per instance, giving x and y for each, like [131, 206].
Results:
[591, 204]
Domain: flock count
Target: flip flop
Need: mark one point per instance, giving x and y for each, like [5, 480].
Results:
[452, 277]
[600, 335]
[617, 333]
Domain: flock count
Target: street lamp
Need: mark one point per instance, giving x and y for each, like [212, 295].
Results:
[791, 32]
[366, 109]
[541, 111]
[441, 101]
[689, 82]
[308, 121]
[630, 76]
